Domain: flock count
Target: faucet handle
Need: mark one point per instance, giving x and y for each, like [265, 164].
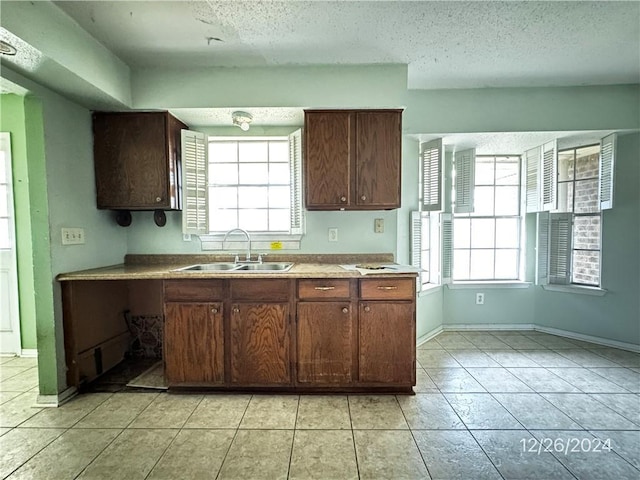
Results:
[260, 256]
[236, 259]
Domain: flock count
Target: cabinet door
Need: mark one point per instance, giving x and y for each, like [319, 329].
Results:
[387, 343]
[328, 159]
[260, 344]
[194, 343]
[378, 159]
[325, 348]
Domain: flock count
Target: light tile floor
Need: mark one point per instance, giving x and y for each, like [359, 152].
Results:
[488, 405]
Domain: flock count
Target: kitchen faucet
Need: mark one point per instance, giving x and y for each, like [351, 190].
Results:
[248, 255]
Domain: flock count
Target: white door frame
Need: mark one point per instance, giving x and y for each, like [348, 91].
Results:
[10, 341]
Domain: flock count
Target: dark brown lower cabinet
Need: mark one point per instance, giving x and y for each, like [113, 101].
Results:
[194, 343]
[325, 343]
[387, 342]
[260, 344]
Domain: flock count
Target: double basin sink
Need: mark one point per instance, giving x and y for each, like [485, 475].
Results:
[273, 267]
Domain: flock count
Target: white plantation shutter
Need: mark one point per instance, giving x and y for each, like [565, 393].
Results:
[194, 183]
[607, 163]
[446, 224]
[542, 249]
[560, 248]
[416, 244]
[431, 170]
[465, 164]
[532, 160]
[549, 176]
[295, 166]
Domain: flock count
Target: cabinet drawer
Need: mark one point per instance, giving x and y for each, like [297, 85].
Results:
[266, 289]
[193, 290]
[392, 288]
[323, 288]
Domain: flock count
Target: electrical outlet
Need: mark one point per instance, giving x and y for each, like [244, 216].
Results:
[479, 298]
[72, 236]
[333, 234]
[378, 225]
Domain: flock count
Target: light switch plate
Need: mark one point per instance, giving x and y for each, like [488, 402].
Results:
[72, 236]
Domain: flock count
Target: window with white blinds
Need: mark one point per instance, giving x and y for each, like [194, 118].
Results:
[486, 242]
[569, 242]
[254, 183]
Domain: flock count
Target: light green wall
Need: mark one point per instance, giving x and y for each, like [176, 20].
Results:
[615, 316]
[12, 119]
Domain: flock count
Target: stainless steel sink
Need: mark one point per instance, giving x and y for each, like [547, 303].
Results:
[271, 267]
[209, 266]
[238, 267]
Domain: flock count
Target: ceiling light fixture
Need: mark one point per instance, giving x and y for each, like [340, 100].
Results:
[242, 120]
[7, 48]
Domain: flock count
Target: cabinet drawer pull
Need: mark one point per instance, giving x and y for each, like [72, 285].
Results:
[214, 310]
[345, 310]
[363, 197]
[343, 199]
[385, 287]
[367, 309]
[325, 288]
[158, 199]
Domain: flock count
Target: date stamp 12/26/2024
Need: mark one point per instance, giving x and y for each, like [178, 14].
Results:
[566, 445]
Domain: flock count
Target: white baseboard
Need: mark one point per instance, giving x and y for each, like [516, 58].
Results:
[29, 352]
[56, 400]
[488, 326]
[589, 338]
[428, 336]
[533, 327]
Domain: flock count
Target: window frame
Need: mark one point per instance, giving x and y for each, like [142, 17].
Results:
[470, 215]
[213, 240]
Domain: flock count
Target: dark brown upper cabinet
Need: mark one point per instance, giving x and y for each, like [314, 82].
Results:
[353, 159]
[137, 160]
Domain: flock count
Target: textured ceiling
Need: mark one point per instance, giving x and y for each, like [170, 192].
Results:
[445, 44]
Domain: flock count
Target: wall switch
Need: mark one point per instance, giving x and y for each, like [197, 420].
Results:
[479, 298]
[333, 234]
[378, 225]
[72, 236]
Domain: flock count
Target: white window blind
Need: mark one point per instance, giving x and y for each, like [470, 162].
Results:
[542, 249]
[549, 176]
[446, 224]
[295, 165]
[416, 244]
[194, 183]
[431, 171]
[560, 248]
[465, 180]
[533, 159]
[607, 162]
[553, 248]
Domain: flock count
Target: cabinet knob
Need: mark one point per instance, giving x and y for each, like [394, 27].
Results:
[345, 310]
[236, 310]
[343, 199]
[214, 310]
[363, 197]
[367, 309]
[158, 199]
